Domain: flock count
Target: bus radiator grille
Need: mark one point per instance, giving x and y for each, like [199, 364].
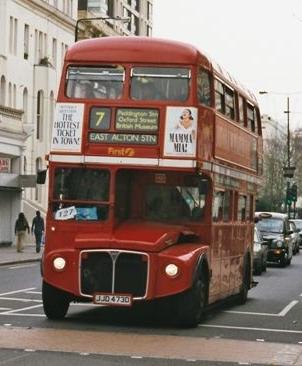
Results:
[114, 272]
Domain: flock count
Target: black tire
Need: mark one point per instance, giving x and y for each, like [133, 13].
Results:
[283, 261]
[258, 269]
[55, 302]
[246, 278]
[190, 305]
[264, 265]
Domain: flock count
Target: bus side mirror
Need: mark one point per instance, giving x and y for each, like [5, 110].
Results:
[203, 186]
[41, 176]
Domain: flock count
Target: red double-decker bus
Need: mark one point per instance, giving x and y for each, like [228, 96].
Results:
[154, 167]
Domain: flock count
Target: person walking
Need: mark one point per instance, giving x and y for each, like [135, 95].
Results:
[37, 228]
[21, 225]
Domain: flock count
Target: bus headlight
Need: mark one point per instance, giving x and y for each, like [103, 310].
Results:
[59, 263]
[171, 270]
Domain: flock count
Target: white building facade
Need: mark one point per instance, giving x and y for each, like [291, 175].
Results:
[34, 37]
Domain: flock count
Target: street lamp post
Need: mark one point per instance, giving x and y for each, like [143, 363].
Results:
[82, 20]
[288, 134]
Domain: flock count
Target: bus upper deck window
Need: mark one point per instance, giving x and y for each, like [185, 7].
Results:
[160, 83]
[104, 82]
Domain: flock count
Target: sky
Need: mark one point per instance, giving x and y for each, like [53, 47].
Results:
[258, 42]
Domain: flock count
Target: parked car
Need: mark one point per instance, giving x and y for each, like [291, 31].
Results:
[275, 230]
[298, 223]
[295, 236]
[260, 253]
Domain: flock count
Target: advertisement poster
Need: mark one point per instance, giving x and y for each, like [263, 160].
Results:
[180, 132]
[67, 127]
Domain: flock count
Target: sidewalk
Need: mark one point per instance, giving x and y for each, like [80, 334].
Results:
[9, 255]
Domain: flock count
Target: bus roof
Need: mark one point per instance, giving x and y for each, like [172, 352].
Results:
[146, 50]
[140, 49]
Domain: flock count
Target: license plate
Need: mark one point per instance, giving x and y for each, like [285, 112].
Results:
[113, 299]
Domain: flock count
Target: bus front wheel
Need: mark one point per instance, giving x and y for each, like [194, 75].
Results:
[55, 302]
[190, 305]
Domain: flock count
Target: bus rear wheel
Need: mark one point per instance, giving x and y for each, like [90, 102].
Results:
[190, 305]
[55, 302]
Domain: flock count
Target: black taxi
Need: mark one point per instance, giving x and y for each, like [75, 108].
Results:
[275, 230]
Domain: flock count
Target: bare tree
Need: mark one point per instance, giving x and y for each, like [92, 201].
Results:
[272, 193]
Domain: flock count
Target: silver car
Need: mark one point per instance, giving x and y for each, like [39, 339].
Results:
[298, 223]
[260, 253]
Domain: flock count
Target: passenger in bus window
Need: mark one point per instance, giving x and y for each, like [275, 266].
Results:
[114, 92]
[84, 89]
[101, 92]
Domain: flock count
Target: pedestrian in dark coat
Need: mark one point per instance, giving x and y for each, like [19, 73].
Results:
[37, 228]
[21, 225]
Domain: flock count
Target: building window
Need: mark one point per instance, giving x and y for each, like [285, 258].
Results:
[24, 165]
[136, 25]
[39, 121]
[11, 34]
[26, 41]
[14, 99]
[149, 10]
[25, 105]
[98, 6]
[54, 52]
[10, 94]
[2, 90]
[51, 113]
[38, 189]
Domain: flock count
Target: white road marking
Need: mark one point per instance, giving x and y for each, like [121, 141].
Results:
[18, 299]
[18, 310]
[18, 291]
[24, 315]
[1, 309]
[282, 313]
[249, 313]
[249, 328]
[288, 307]
[22, 266]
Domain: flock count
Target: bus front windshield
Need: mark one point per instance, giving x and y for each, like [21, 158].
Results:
[81, 194]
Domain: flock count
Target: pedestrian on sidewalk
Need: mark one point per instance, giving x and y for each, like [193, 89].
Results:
[37, 228]
[21, 225]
